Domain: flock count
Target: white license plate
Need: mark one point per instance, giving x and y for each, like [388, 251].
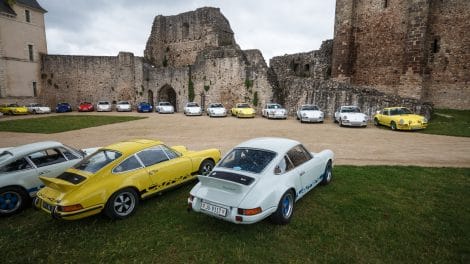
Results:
[214, 209]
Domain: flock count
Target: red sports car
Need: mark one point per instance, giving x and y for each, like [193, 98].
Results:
[86, 107]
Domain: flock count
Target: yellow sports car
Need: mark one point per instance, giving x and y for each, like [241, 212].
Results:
[13, 109]
[400, 118]
[243, 110]
[114, 178]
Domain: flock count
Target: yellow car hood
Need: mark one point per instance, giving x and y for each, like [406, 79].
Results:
[246, 110]
[409, 117]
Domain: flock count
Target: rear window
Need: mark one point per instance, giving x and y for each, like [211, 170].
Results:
[98, 160]
[246, 159]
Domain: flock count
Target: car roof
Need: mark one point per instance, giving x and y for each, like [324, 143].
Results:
[133, 145]
[394, 107]
[23, 150]
[278, 145]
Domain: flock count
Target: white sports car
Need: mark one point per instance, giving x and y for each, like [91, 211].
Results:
[259, 178]
[310, 113]
[20, 168]
[274, 111]
[192, 108]
[103, 106]
[165, 108]
[123, 106]
[38, 109]
[216, 109]
[350, 115]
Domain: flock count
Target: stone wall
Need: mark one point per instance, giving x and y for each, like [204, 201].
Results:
[391, 45]
[74, 79]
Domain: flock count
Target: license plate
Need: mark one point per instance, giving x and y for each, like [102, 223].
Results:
[47, 206]
[214, 209]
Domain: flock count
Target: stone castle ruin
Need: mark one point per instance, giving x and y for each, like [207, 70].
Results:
[383, 54]
[192, 56]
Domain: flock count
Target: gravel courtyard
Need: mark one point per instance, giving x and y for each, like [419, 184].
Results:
[352, 146]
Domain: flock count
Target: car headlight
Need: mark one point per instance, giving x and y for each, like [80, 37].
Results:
[345, 117]
[304, 114]
[401, 122]
[425, 120]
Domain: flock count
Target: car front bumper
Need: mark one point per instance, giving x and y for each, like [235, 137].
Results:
[417, 126]
[311, 119]
[354, 123]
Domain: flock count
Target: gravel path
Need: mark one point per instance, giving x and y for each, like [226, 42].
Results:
[353, 146]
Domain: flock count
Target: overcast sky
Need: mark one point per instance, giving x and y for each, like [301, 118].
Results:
[105, 27]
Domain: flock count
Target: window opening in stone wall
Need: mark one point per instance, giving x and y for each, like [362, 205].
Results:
[27, 15]
[185, 30]
[435, 45]
[295, 67]
[31, 54]
[35, 89]
[307, 68]
[385, 3]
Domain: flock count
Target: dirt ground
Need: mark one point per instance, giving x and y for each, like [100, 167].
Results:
[352, 146]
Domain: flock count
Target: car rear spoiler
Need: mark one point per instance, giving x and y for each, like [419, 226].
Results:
[58, 184]
[221, 184]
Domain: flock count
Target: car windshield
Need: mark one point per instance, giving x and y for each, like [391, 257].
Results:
[274, 106]
[310, 107]
[400, 111]
[144, 104]
[64, 104]
[98, 160]
[165, 104]
[13, 105]
[352, 109]
[123, 103]
[243, 106]
[247, 159]
[192, 105]
[216, 106]
[103, 103]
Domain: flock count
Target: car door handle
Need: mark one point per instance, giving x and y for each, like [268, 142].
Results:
[44, 172]
[152, 172]
[302, 173]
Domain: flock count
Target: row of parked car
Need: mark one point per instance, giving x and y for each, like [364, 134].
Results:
[259, 178]
[397, 118]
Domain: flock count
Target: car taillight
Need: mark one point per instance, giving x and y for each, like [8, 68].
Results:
[70, 208]
[253, 211]
[191, 198]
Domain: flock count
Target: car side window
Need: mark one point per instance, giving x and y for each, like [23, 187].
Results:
[298, 155]
[152, 156]
[385, 112]
[129, 164]
[17, 165]
[47, 157]
[284, 165]
[170, 153]
[67, 153]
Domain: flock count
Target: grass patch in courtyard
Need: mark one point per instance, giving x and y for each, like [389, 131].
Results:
[57, 124]
[371, 214]
[449, 122]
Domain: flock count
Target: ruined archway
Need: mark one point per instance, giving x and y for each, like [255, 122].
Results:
[168, 94]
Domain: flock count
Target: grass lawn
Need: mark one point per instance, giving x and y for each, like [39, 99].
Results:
[449, 122]
[56, 124]
[369, 214]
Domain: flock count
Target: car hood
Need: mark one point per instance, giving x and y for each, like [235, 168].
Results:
[193, 109]
[224, 187]
[409, 117]
[217, 110]
[246, 110]
[311, 113]
[353, 116]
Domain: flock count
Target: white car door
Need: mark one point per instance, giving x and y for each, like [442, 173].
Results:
[308, 167]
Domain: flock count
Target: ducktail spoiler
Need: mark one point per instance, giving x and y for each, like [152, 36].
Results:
[59, 184]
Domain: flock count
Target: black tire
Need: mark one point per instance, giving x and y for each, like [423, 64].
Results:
[393, 126]
[34, 112]
[206, 167]
[285, 209]
[122, 204]
[376, 122]
[13, 200]
[10, 112]
[340, 122]
[334, 120]
[328, 174]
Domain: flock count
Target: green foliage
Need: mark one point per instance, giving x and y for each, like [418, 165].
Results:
[255, 99]
[373, 214]
[165, 61]
[449, 122]
[11, 2]
[191, 93]
[56, 124]
[206, 88]
[248, 84]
